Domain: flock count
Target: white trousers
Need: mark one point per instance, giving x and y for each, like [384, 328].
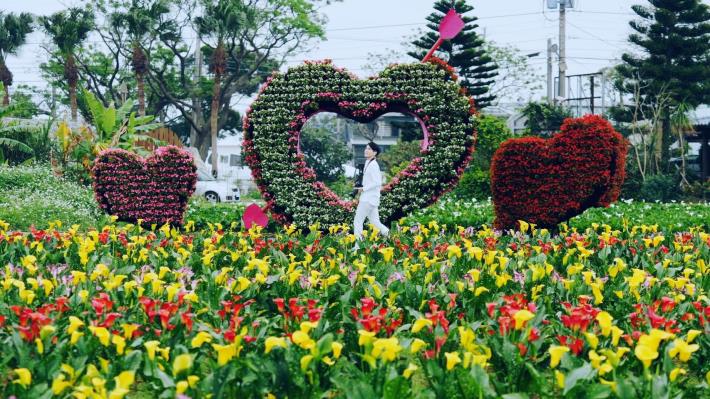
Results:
[366, 209]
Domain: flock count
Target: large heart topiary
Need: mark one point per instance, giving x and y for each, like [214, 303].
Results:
[428, 91]
[547, 181]
[155, 189]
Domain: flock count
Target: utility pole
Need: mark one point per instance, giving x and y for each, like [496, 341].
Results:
[562, 63]
[551, 48]
[196, 106]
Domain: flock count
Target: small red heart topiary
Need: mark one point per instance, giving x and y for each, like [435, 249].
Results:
[548, 181]
[155, 189]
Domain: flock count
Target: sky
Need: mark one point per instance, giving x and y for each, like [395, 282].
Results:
[596, 32]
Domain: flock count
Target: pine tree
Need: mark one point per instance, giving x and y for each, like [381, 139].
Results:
[672, 68]
[465, 52]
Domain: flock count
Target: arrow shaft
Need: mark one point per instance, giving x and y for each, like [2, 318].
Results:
[433, 49]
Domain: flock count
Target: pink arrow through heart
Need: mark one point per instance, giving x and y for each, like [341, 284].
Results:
[253, 214]
[449, 27]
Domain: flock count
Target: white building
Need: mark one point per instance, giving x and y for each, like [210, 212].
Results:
[231, 166]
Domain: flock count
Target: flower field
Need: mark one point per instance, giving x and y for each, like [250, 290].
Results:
[140, 312]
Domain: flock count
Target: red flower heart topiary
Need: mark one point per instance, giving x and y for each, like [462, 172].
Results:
[548, 181]
[155, 189]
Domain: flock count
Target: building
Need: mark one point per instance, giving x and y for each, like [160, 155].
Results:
[231, 166]
[385, 131]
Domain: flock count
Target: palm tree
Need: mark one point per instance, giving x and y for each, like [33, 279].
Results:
[13, 34]
[68, 29]
[141, 18]
[220, 19]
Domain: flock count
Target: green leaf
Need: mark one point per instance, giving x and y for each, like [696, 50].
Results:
[396, 388]
[579, 374]
[484, 382]
[625, 389]
[659, 388]
[164, 378]
[15, 145]
[515, 395]
[107, 121]
[597, 391]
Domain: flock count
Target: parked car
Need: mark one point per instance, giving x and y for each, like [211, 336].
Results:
[215, 190]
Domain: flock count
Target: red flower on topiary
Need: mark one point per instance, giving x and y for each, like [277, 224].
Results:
[548, 181]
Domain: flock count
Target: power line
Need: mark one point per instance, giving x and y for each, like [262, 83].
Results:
[420, 23]
[595, 36]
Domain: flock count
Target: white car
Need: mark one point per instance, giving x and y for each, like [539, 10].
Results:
[214, 190]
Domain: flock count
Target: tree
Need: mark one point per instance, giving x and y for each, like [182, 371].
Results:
[140, 19]
[516, 80]
[465, 52]
[13, 34]
[324, 153]
[252, 51]
[68, 29]
[544, 119]
[672, 68]
[401, 153]
[220, 19]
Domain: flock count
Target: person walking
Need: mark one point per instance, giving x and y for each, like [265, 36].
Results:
[369, 202]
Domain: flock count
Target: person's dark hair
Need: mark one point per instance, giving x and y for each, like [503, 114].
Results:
[374, 147]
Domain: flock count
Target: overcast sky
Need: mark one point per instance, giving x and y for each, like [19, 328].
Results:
[596, 31]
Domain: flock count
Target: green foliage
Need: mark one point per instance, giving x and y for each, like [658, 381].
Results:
[22, 103]
[13, 34]
[117, 127]
[341, 186]
[34, 196]
[14, 29]
[659, 188]
[401, 153]
[203, 213]
[68, 28]
[674, 216]
[491, 132]
[544, 119]
[23, 141]
[476, 181]
[474, 184]
[674, 36]
[324, 153]
[465, 52]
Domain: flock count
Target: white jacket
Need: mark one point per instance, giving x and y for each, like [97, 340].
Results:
[371, 183]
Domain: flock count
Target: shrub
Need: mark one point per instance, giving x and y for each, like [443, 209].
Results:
[203, 213]
[549, 181]
[662, 188]
[155, 189]
[33, 196]
[475, 184]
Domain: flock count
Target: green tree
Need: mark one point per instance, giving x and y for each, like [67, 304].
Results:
[324, 153]
[465, 52]
[401, 153]
[476, 181]
[252, 51]
[516, 80]
[671, 68]
[68, 29]
[544, 119]
[13, 34]
[139, 19]
[219, 20]
[491, 132]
